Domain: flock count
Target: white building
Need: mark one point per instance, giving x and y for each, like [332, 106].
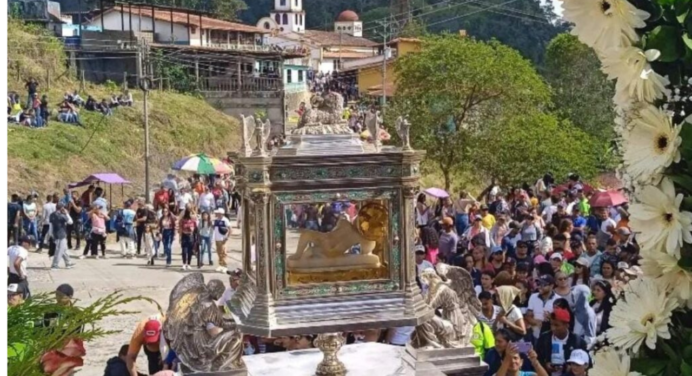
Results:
[329, 50]
[179, 27]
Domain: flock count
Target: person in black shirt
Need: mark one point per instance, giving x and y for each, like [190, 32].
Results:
[13, 218]
[43, 110]
[141, 221]
[75, 210]
[31, 86]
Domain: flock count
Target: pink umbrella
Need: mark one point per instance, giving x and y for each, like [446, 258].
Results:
[437, 192]
[603, 199]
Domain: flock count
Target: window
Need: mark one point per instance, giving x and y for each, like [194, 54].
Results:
[288, 76]
[301, 19]
[296, 2]
[285, 19]
[349, 27]
[336, 65]
[283, 3]
[277, 18]
[295, 16]
[300, 76]
[267, 25]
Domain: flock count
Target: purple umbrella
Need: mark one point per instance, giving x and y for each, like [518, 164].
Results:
[437, 192]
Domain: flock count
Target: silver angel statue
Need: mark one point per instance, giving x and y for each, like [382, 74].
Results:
[402, 128]
[262, 131]
[373, 123]
[248, 128]
[450, 290]
[197, 331]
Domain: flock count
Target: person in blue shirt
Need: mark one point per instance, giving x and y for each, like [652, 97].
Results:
[578, 221]
[512, 363]
[495, 356]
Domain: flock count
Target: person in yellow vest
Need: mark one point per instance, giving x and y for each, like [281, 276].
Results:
[482, 338]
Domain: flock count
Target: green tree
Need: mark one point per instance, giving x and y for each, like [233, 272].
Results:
[455, 87]
[581, 92]
[413, 29]
[526, 146]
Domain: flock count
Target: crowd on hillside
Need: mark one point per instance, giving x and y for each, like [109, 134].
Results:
[36, 112]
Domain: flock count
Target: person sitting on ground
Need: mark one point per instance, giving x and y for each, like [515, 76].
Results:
[27, 118]
[68, 114]
[91, 104]
[104, 108]
[126, 99]
[76, 99]
[114, 101]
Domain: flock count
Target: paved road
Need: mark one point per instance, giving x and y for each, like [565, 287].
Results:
[95, 278]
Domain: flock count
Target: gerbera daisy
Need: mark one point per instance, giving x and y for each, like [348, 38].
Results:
[658, 219]
[610, 363]
[669, 274]
[604, 24]
[636, 81]
[651, 143]
[642, 316]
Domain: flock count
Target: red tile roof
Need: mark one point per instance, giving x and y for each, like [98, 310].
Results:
[346, 54]
[332, 38]
[180, 17]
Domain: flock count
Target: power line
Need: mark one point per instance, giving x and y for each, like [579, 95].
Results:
[471, 13]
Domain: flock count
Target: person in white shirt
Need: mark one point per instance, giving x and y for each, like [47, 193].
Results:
[541, 304]
[29, 224]
[206, 201]
[183, 199]
[421, 262]
[48, 209]
[222, 231]
[550, 210]
[17, 262]
[234, 281]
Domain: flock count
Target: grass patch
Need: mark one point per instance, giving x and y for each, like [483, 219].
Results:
[46, 159]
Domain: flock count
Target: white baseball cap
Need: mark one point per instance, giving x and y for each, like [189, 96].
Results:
[219, 211]
[579, 357]
[556, 256]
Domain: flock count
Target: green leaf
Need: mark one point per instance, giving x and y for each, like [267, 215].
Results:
[688, 42]
[685, 369]
[686, 146]
[685, 262]
[649, 367]
[682, 7]
[687, 352]
[666, 39]
[683, 181]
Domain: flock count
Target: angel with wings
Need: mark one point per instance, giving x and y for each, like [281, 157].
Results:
[196, 330]
[247, 129]
[450, 290]
[262, 131]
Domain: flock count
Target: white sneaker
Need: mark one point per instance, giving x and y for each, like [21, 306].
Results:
[82, 257]
[184, 267]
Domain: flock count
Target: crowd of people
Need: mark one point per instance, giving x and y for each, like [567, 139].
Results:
[36, 112]
[546, 265]
[319, 82]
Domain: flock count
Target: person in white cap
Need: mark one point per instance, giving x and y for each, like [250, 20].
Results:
[577, 363]
[222, 231]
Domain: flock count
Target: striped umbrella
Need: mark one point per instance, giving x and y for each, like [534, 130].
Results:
[201, 164]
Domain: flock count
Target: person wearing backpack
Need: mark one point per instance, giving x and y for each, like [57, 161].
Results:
[222, 231]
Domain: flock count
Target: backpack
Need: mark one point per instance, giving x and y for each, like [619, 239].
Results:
[221, 225]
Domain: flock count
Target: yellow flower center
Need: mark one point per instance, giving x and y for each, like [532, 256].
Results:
[648, 319]
[662, 143]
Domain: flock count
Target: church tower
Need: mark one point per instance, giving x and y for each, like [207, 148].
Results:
[289, 16]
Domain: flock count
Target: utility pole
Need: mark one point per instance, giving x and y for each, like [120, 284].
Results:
[386, 35]
[144, 85]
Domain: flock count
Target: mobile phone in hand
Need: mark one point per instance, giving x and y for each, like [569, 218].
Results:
[523, 347]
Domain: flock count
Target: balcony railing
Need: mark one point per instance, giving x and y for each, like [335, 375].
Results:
[238, 47]
[245, 84]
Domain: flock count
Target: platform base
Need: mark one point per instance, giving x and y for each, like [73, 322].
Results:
[452, 362]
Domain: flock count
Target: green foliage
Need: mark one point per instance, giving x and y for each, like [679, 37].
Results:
[413, 29]
[526, 146]
[110, 85]
[176, 75]
[581, 92]
[27, 334]
[455, 87]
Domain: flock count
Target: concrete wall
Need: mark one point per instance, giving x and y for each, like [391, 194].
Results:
[236, 106]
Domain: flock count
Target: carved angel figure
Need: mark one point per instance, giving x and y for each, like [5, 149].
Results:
[262, 131]
[402, 128]
[247, 130]
[373, 123]
[451, 291]
[196, 329]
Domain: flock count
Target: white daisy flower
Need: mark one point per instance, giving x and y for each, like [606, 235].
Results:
[636, 81]
[610, 363]
[657, 219]
[604, 24]
[642, 316]
[669, 274]
[651, 143]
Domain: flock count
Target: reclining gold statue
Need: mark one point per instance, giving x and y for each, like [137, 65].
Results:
[328, 251]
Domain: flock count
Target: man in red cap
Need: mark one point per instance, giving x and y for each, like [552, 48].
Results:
[555, 347]
[147, 335]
